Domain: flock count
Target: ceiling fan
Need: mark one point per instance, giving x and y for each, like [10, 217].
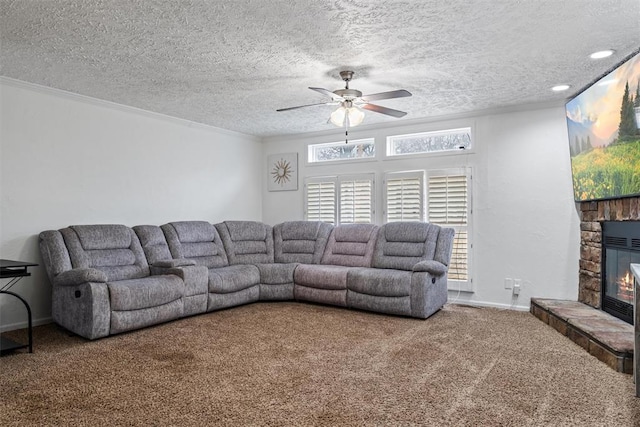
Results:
[351, 102]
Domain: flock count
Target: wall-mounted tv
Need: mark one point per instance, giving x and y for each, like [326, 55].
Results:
[604, 135]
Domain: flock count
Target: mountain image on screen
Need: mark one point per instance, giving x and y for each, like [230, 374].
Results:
[604, 135]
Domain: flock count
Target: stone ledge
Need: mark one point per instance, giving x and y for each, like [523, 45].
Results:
[605, 337]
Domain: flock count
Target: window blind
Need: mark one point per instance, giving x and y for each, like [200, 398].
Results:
[321, 201]
[356, 201]
[404, 198]
[448, 207]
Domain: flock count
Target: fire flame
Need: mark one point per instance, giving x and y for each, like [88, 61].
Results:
[625, 287]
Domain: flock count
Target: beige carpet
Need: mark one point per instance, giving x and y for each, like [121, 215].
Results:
[303, 364]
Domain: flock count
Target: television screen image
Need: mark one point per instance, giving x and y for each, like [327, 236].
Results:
[604, 135]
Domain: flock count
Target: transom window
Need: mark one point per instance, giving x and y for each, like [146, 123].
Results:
[429, 142]
[333, 151]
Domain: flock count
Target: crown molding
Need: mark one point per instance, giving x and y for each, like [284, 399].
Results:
[21, 84]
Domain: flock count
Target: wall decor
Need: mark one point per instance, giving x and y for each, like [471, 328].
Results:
[604, 135]
[283, 172]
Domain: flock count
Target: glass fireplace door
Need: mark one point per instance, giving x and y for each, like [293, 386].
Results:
[619, 280]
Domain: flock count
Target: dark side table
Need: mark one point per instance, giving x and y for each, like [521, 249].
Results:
[15, 270]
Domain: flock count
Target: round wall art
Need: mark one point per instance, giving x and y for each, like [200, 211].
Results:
[283, 172]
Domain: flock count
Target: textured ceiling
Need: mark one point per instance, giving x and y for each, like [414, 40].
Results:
[231, 64]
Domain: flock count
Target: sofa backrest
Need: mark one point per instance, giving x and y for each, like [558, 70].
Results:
[196, 240]
[54, 252]
[351, 245]
[153, 242]
[401, 245]
[247, 242]
[300, 241]
[113, 249]
[444, 245]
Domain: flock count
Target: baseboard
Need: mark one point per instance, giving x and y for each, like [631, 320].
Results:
[491, 304]
[25, 324]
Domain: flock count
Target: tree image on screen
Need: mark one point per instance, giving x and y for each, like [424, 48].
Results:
[604, 135]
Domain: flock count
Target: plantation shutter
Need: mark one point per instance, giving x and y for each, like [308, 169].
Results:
[320, 201]
[404, 196]
[356, 200]
[448, 207]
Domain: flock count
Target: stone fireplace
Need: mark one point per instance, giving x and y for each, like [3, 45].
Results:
[592, 216]
[604, 336]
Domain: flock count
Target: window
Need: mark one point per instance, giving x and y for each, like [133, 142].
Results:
[404, 196]
[429, 142]
[344, 199]
[320, 196]
[356, 199]
[332, 151]
[448, 206]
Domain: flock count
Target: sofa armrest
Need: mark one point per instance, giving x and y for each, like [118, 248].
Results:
[430, 266]
[78, 276]
[171, 263]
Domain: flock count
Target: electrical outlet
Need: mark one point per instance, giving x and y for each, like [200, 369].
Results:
[516, 289]
[517, 285]
[508, 283]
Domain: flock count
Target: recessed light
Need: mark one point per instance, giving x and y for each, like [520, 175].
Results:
[560, 88]
[602, 54]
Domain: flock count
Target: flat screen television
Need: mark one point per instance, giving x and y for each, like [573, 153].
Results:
[604, 135]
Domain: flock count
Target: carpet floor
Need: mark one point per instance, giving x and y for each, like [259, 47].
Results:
[303, 364]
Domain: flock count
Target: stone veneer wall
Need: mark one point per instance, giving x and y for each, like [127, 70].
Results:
[592, 214]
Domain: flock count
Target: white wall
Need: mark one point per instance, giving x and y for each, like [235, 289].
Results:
[67, 159]
[525, 224]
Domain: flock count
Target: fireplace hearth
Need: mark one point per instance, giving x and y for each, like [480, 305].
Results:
[620, 248]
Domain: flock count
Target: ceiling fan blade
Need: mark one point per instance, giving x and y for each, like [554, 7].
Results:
[401, 93]
[328, 93]
[302, 106]
[384, 110]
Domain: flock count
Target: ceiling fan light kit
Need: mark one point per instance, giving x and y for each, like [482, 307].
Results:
[345, 112]
[351, 102]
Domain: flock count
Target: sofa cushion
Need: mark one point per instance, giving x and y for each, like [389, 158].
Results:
[103, 236]
[351, 245]
[247, 242]
[122, 321]
[136, 294]
[153, 242]
[196, 240]
[300, 241]
[321, 276]
[401, 245]
[112, 248]
[233, 278]
[400, 306]
[323, 296]
[380, 282]
[276, 274]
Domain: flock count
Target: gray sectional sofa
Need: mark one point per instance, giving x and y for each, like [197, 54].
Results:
[108, 279]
